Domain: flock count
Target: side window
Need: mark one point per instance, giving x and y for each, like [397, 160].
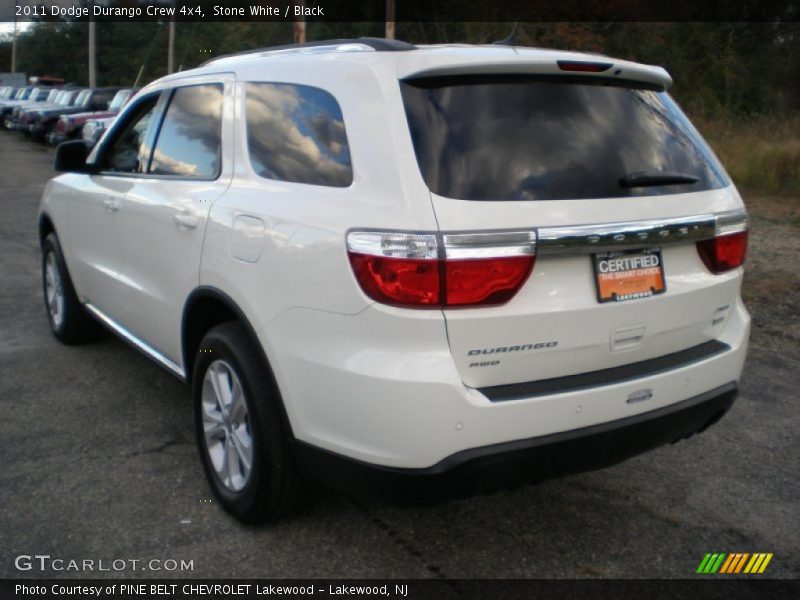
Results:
[128, 151]
[188, 143]
[296, 133]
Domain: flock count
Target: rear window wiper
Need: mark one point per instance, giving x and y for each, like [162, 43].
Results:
[652, 178]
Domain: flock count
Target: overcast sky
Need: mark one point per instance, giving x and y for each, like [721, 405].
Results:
[8, 28]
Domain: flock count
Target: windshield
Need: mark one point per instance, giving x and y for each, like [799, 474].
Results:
[531, 138]
[119, 100]
[83, 98]
[66, 99]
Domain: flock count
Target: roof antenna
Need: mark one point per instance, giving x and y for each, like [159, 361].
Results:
[511, 40]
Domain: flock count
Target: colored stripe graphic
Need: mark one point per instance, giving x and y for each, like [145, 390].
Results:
[741, 562]
[715, 567]
[734, 563]
[764, 564]
[703, 563]
[755, 562]
[727, 564]
[711, 562]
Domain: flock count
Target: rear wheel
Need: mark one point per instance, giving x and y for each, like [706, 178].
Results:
[243, 443]
[69, 320]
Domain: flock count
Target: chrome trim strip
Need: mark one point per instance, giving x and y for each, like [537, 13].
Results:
[136, 342]
[493, 244]
[732, 221]
[584, 239]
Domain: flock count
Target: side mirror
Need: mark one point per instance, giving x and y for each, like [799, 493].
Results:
[71, 157]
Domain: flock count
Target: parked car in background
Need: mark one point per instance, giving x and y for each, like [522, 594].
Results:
[18, 112]
[70, 127]
[23, 95]
[44, 122]
[25, 115]
[7, 92]
[46, 80]
[94, 130]
[20, 95]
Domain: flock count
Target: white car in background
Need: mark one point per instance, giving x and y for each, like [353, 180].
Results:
[424, 269]
[94, 129]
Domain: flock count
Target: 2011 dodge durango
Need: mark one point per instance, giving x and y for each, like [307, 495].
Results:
[417, 269]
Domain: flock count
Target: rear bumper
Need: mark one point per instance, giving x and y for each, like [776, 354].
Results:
[381, 388]
[500, 466]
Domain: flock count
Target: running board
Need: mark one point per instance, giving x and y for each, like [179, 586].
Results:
[134, 341]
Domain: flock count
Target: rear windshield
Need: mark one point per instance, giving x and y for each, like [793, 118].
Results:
[528, 138]
[66, 98]
[119, 100]
[83, 98]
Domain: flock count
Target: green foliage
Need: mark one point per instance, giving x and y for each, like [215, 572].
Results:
[762, 155]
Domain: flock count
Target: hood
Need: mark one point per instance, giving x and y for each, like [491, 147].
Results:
[82, 117]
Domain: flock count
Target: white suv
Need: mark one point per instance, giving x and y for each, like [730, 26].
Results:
[428, 270]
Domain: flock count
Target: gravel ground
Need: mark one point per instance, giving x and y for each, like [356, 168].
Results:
[99, 461]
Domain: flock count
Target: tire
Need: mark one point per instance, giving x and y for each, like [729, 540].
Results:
[69, 320]
[273, 487]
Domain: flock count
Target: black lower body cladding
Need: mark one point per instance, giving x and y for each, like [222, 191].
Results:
[507, 465]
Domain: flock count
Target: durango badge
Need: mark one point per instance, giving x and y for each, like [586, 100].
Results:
[640, 395]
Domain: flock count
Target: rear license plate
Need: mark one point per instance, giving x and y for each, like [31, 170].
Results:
[628, 275]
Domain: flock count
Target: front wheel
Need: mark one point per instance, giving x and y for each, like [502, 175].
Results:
[243, 443]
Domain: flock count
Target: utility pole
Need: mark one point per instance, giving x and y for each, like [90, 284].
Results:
[300, 27]
[92, 57]
[14, 46]
[390, 15]
[171, 46]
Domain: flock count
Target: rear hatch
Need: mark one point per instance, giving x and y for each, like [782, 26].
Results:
[611, 177]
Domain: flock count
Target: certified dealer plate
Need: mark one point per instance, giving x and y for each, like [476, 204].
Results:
[627, 275]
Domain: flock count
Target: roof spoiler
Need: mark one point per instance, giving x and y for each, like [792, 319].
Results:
[606, 70]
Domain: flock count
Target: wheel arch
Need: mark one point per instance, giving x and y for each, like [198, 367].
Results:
[207, 307]
[46, 227]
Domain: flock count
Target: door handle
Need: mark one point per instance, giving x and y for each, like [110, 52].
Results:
[111, 204]
[185, 220]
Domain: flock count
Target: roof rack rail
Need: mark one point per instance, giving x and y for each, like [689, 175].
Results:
[378, 44]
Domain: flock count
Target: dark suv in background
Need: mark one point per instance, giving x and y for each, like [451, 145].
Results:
[70, 126]
[43, 122]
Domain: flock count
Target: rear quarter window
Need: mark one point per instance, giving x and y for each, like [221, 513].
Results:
[296, 133]
[529, 138]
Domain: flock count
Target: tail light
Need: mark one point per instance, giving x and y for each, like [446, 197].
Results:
[441, 271]
[727, 250]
